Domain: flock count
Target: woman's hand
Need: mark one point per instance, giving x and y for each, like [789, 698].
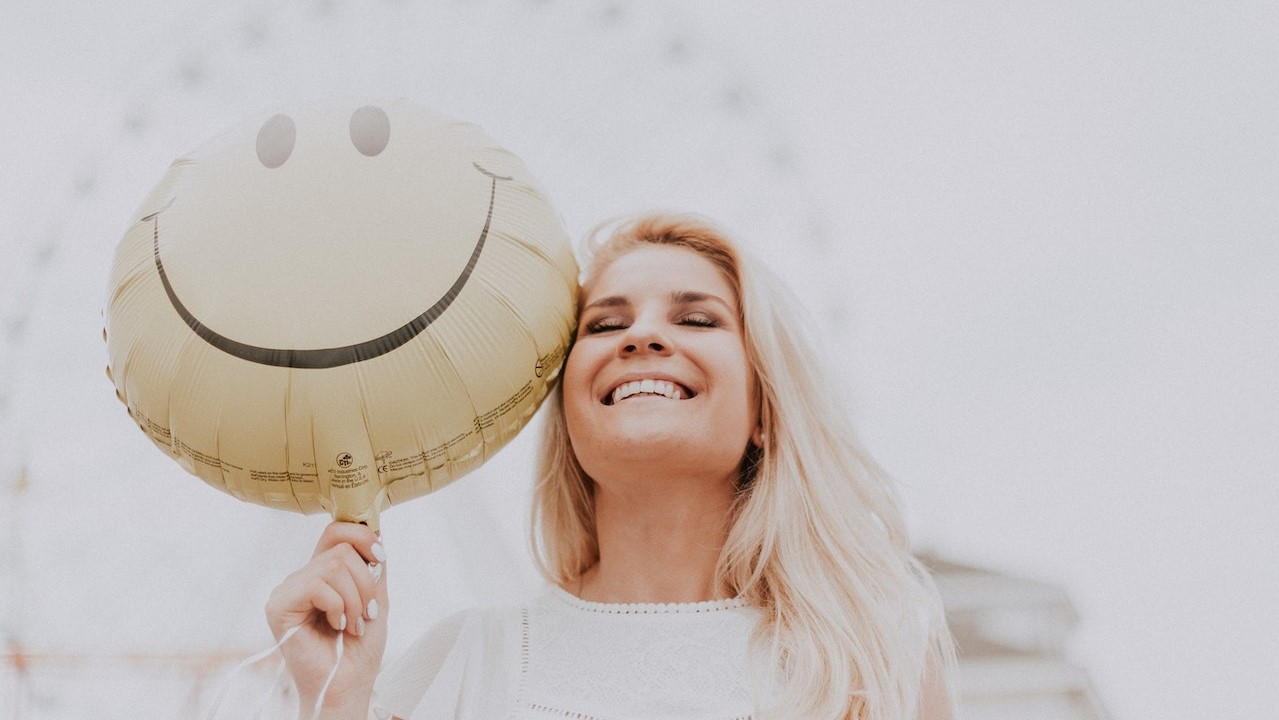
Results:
[342, 589]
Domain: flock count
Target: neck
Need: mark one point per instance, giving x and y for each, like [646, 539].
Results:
[659, 541]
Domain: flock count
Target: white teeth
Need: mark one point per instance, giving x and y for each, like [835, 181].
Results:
[664, 388]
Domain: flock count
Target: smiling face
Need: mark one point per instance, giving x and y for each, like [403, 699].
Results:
[340, 306]
[328, 235]
[658, 380]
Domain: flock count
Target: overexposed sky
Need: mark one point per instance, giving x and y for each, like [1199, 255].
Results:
[1043, 242]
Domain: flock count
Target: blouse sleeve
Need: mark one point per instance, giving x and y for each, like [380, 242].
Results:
[401, 687]
[460, 668]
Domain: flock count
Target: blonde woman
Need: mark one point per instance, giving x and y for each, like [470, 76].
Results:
[716, 544]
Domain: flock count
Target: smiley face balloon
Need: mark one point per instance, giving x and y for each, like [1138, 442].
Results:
[340, 307]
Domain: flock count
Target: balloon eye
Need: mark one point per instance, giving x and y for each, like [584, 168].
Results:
[275, 141]
[370, 130]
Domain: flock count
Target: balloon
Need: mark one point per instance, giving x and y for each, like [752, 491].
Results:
[340, 307]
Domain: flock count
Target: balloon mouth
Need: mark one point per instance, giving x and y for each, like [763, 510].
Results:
[322, 358]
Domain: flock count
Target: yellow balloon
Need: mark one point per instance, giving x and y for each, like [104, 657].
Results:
[340, 307]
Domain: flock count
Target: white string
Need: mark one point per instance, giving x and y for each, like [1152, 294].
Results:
[319, 701]
[226, 684]
[270, 691]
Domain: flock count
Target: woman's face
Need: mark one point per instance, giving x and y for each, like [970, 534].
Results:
[658, 383]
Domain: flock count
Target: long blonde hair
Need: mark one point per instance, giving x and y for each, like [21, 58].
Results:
[817, 539]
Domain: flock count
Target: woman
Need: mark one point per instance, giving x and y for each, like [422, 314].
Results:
[717, 544]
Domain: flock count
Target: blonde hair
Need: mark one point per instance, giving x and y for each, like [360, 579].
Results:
[816, 540]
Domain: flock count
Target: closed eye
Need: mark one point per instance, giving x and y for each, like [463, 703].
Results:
[604, 325]
[699, 319]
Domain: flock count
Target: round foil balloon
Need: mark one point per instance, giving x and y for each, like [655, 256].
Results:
[340, 307]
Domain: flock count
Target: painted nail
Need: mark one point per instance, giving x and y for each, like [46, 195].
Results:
[379, 552]
[342, 623]
[376, 571]
[359, 626]
[373, 609]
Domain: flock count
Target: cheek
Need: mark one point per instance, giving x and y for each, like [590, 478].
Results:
[750, 398]
[576, 382]
[575, 374]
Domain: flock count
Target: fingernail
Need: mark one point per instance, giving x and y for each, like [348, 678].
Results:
[342, 623]
[379, 552]
[359, 627]
[373, 609]
[376, 570]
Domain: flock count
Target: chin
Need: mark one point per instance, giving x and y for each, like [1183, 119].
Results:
[660, 453]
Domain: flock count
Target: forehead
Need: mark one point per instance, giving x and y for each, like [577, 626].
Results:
[658, 269]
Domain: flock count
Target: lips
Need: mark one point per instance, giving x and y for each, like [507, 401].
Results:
[647, 386]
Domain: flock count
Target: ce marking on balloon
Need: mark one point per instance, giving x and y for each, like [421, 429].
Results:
[335, 356]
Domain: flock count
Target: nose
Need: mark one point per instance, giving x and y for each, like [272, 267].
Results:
[644, 337]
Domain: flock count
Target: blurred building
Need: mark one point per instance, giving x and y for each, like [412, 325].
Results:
[1011, 633]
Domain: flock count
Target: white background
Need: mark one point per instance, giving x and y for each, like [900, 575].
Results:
[1043, 239]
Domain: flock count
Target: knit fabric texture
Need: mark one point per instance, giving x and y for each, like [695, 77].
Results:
[562, 657]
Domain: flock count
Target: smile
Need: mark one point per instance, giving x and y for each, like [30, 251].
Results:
[335, 356]
[647, 387]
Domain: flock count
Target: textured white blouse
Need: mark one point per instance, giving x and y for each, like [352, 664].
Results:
[562, 657]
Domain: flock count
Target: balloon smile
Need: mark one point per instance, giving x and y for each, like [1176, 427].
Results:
[335, 356]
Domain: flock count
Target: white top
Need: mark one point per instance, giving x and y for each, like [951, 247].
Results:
[562, 657]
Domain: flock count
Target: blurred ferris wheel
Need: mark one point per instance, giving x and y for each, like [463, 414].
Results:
[615, 107]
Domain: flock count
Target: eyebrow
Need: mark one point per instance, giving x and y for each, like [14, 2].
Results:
[691, 297]
[677, 297]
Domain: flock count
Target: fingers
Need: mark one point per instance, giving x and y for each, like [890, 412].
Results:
[344, 583]
[345, 590]
[356, 535]
[331, 604]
